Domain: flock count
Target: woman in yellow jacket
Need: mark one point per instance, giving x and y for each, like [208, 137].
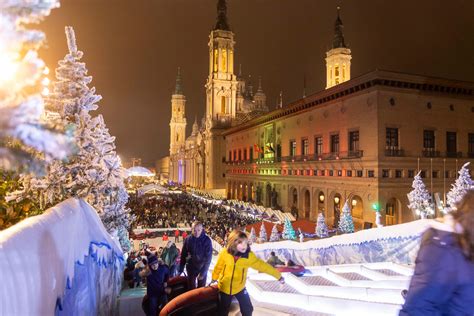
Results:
[231, 273]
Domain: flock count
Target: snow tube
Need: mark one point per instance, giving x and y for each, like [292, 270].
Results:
[296, 270]
[198, 302]
[176, 286]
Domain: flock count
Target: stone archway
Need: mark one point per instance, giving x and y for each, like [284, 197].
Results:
[293, 201]
[268, 195]
[306, 204]
[251, 192]
[392, 211]
[336, 206]
[229, 190]
[245, 191]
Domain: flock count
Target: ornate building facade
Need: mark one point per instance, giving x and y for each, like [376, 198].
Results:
[230, 100]
[360, 140]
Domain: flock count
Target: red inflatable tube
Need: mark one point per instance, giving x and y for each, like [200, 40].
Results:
[201, 301]
[299, 270]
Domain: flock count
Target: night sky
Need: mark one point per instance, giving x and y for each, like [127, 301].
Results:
[132, 48]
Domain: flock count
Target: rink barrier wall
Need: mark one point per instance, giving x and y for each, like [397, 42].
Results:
[62, 262]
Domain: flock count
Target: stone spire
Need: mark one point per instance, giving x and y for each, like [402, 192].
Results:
[195, 126]
[338, 41]
[259, 90]
[179, 88]
[221, 23]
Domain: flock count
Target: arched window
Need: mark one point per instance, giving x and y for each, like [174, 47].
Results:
[336, 71]
[223, 111]
[216, 58]
[224, 60]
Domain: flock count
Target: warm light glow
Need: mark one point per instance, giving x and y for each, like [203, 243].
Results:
[45, 81]
[8, 66]
[45, 91]
[321, 197]
[46, 71]
[354, 202]
[336, 200]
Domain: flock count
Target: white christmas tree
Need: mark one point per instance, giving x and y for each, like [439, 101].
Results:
[253, 236]
[321, 227]
[460, 187]
[262, 236]
[288, 230]
[346, 224]
[25, 141]
[419, 198]
[274, 235]
[95, 174]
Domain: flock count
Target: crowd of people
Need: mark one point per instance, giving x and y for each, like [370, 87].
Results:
[442, 282]
[180, 210]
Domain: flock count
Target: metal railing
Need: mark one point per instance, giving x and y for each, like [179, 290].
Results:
[394, 152]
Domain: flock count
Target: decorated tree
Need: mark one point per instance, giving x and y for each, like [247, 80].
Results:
[460, 187]
[262, 236]
[26, 142]
[288, 231]
[419, 198]
[321, 227]
[253, 236]
[346, 224]
[274, 235]
[95, 174]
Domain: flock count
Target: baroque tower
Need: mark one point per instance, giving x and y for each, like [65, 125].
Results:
[221, 84]
[338, 59]
[178, 119]
[221, 103]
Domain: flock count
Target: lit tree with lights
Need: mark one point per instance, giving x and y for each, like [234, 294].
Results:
[262, 234]
[346, 223]
[321, 227]
[26, 142]
[95, 174]
[274, 235]
[288, 230]
[253, 236]
[460, 187]
[419, 198]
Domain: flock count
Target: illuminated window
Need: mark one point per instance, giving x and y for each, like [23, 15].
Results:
[336, 71]
[216, 56]
[343, 72]
[223, 104]
[224, 60]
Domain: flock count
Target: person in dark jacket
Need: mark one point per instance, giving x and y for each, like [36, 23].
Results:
[169, 256]
[157, 276]
[443, 282]
[196, 255]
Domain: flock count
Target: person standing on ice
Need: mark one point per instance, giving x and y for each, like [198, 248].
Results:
[443, 282]
[196, 255]
[231, 273]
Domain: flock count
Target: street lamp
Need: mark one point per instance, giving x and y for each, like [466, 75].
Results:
[336, 200]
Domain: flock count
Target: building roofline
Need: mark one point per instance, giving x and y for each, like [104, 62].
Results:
[377, 77]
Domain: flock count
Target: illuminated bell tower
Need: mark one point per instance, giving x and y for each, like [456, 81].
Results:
[178, 119]
[338, 59]
[221, 85]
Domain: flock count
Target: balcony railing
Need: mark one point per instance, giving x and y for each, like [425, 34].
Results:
[453, 154]
[394, 152]
[427, 152]
[325, 156]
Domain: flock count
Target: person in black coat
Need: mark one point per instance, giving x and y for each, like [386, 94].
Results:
[196, 255]
[443, 282]
[157, 276]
